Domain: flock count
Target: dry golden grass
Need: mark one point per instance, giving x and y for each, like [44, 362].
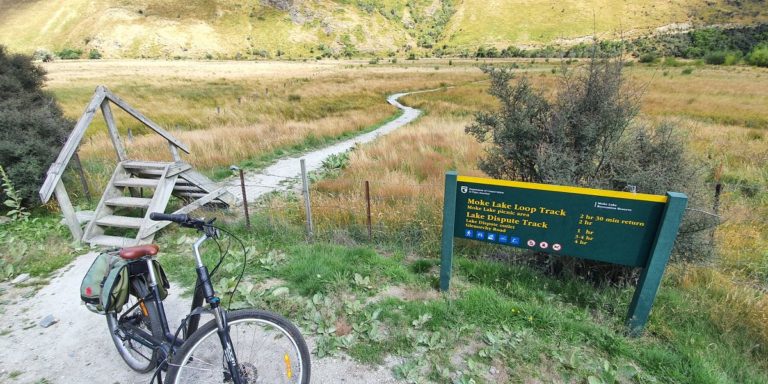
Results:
[730, 95]
[228, 112]
[733, 306]
[223, 145]
[406, 173]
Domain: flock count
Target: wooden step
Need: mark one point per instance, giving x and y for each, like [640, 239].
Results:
[137, 182]
[112, 241]
[148, 172]
[120, 221]
[187, 188]
[135, 164]
[194, 195]
[129, 202]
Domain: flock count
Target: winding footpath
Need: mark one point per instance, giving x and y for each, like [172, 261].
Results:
[77, 348]
[272, 178]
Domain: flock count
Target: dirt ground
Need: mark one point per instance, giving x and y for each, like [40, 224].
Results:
[78, 349]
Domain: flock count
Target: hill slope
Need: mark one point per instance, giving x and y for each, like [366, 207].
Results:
[304, 28]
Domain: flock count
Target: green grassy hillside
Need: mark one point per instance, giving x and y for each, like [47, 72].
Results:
[252, 29]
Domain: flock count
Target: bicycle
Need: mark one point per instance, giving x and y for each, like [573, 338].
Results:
[241, 346]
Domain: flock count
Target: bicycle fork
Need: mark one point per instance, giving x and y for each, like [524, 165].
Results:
[222, 325]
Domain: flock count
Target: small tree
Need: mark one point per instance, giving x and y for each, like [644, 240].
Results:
[32, 127]
[586, 135]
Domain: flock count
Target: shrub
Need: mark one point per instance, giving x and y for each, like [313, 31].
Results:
[587, 136]
[671, 62]
[759, 56]
[43, 55]
[686, 71]
[94, 54]
[715, 58]
[69, 54]
[732, 58]
[32, 127]
[647, 58]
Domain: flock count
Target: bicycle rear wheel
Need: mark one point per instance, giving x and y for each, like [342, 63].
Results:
[144, 317]
[269, 349]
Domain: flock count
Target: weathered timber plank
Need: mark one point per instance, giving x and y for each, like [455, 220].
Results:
[73, 141]
[112, 129]
[187, 209]
[68, 211]
[129, 202]
[145, 120]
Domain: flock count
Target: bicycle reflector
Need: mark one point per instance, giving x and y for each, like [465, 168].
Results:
[288, 371]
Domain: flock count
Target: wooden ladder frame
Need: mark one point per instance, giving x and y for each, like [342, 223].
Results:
[101, 100]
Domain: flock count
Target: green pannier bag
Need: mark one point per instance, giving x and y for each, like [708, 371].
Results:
[105, 287]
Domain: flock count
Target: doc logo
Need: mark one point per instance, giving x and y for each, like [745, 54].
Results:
[464, 189]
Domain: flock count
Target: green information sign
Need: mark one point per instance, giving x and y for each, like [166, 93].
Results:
[632, 229]
[615, 227]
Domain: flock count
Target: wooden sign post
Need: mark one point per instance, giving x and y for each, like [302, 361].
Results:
[632, 229]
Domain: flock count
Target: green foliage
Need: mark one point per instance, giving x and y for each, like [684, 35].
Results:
[32, 127]
[647, 58]
[686, 71]
[715, 57]
[17, 212]
[94, 54]
[759, 56]
[671, 62]
[37, 246]
[586, 137]
[70, 54]
[43, 55]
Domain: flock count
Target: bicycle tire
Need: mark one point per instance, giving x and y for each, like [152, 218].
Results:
[139, 357]
[268, 347]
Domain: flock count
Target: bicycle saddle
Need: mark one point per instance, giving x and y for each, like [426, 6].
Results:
[132, 253]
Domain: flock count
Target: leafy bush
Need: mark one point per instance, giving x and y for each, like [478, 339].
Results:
[759, 56]
[70, 54]
[671, 62]
[32, 127]
[43, 55]
[686, 71]
[715, 58]
[17, 212]
[94, 54]
[732, 58]
[647, 58]
[587, 136]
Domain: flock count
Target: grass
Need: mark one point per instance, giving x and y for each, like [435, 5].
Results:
[273, 111]
[375, 298]
[242, 30]
[371, 304]
[37, 246]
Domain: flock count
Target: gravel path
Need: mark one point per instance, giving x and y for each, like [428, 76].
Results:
[77, 347]
[274, 177]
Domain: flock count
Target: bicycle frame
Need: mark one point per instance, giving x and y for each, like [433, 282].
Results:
[204, 291]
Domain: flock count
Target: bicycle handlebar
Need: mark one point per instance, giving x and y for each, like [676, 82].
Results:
[186, 221]
[178, 218]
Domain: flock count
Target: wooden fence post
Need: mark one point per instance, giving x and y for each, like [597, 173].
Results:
[307, 206]
[368, 209]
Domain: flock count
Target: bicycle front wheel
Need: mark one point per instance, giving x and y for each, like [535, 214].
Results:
[268, 347]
